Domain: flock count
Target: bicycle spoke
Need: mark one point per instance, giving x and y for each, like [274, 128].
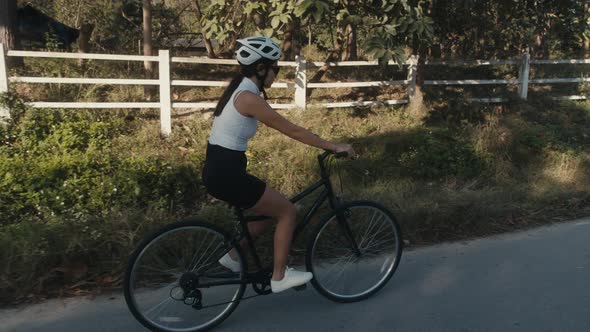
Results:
[339, 275]
[374, 244]
[208, 258]
[218, 268]
[159, 271]
[382, 242]
[338, 262]
[196, 257]
[367, 234]
[370, 226]
[199, 261]
[375, 234]
[187, 268]
[161, 304]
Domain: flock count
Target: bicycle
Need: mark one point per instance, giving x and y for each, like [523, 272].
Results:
[173, 284]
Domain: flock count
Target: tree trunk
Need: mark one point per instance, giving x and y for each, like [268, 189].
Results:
[350, 53]
[436, 50]
[207, 41]
[587, 39]
[333, 56]
[476, 54]
[259, 21]
[290, 48]
[9, 30]
[540, 45]
[229, 47]
[148, 66]
[417, 108]
[84, 39]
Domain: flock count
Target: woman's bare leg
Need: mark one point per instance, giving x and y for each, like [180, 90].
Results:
[275, 205]
[255, 228]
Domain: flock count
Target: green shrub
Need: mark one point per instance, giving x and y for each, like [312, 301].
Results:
[61, 162]
[434, 154]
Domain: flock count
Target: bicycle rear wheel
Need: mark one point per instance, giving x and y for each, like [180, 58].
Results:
[166, 283]
[354, 251]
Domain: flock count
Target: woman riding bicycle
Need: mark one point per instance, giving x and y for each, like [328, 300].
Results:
[224, 173]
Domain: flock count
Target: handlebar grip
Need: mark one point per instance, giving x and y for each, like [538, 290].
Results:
[326, 153]
[342, 154]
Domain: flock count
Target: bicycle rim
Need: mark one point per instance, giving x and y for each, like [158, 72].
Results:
[343, 274]
[156, 288]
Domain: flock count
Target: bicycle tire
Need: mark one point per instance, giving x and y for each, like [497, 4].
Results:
[159, 235]
[319, 254]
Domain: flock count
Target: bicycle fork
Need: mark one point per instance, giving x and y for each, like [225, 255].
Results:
[341, 217]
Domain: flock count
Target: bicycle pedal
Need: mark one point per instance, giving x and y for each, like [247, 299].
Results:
[300, 288]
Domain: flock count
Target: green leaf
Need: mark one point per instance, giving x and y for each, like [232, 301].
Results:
[317, 15]
[275, 22]
[379, 53]
[302, 7]
[250, 7]
[342, 14]
[268, 32]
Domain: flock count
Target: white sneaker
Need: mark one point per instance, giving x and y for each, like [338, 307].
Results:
[292, 278]
[230, 263]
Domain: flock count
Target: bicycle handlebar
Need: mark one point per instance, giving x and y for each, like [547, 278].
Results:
[326, 153]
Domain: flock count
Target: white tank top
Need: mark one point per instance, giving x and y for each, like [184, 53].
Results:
[231, 129]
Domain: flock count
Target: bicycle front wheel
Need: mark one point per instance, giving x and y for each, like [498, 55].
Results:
[175, 283]
[354, 251]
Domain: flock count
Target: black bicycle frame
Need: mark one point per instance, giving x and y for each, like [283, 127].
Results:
[327, 193]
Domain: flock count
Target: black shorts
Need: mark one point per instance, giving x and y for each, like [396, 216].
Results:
[225, 177]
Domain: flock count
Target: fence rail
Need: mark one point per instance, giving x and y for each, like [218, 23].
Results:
[300, 83]
[83, 80]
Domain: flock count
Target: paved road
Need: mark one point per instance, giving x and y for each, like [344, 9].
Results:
[537, 280]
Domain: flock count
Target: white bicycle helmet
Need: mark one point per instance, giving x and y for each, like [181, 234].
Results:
[253, 49]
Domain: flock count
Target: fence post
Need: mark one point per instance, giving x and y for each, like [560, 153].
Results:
[523, 88]
[301, 83]
[165, 101]
[4, 113]
[412, 74]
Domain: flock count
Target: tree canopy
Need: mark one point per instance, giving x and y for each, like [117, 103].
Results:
[364, 29]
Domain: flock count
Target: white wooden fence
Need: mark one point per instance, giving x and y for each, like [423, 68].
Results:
[300, 84]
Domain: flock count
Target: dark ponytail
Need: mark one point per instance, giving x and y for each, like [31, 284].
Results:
[233, 85]
[245, 71]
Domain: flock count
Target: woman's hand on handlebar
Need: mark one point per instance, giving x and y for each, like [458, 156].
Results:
[345, 148]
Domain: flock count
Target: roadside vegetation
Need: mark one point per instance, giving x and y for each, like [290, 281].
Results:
[80, 188]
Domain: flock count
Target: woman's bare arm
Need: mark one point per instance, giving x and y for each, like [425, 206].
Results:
[249, 104]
